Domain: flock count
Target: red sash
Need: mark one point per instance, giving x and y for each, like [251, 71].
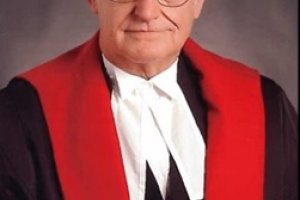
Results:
[76, 103]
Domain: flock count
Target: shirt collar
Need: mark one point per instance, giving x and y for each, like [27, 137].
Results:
[125, 83]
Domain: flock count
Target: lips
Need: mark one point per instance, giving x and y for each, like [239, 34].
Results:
[141, 31]
[147, 30]
[144, 30]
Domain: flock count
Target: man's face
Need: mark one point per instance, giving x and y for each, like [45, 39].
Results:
[143, 31]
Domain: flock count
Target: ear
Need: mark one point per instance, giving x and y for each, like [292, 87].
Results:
[198, 4]
[93, 6]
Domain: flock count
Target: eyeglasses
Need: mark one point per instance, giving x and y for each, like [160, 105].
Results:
[166, 3]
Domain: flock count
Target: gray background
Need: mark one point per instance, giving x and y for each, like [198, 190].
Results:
[260, 33]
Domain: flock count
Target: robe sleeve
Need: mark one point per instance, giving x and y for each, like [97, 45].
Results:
[12, 153]
[27, 167]
[290, 127]
[281, 164]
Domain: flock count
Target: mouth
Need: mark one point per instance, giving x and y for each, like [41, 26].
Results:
[144, 31]
[147, 31]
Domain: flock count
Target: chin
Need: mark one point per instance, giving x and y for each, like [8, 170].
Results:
[149, 51]
[147, 56]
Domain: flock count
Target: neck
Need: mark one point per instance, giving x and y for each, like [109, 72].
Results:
[144, 69]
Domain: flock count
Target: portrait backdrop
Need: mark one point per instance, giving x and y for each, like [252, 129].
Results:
[261, 34]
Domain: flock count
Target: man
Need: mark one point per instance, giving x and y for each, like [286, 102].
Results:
[142, 112]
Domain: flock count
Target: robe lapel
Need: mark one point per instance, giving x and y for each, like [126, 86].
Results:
[81, 125]
[236, 127]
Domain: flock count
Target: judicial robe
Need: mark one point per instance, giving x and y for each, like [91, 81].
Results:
[29, 166]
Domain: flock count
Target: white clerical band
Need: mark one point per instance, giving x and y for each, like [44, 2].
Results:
[153, 120]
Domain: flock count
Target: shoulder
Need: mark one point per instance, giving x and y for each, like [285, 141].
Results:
[275, 98]
[62, 64]
[14, 99]
[270, 88]
[17, 99]
[211, 63]
[66, 64]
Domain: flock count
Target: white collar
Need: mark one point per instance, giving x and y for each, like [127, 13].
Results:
[125, 83]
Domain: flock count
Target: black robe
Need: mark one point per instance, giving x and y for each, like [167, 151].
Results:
[27, 165]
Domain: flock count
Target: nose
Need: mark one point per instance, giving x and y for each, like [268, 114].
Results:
[147, 10]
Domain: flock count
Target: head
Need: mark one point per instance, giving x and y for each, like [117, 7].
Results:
[143, 34]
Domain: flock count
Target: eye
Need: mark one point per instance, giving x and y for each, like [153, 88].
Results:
[167, 3]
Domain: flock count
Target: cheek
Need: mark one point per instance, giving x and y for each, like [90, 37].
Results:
[113, 21]
[182, 17]
[107, 15]
[184, 25]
